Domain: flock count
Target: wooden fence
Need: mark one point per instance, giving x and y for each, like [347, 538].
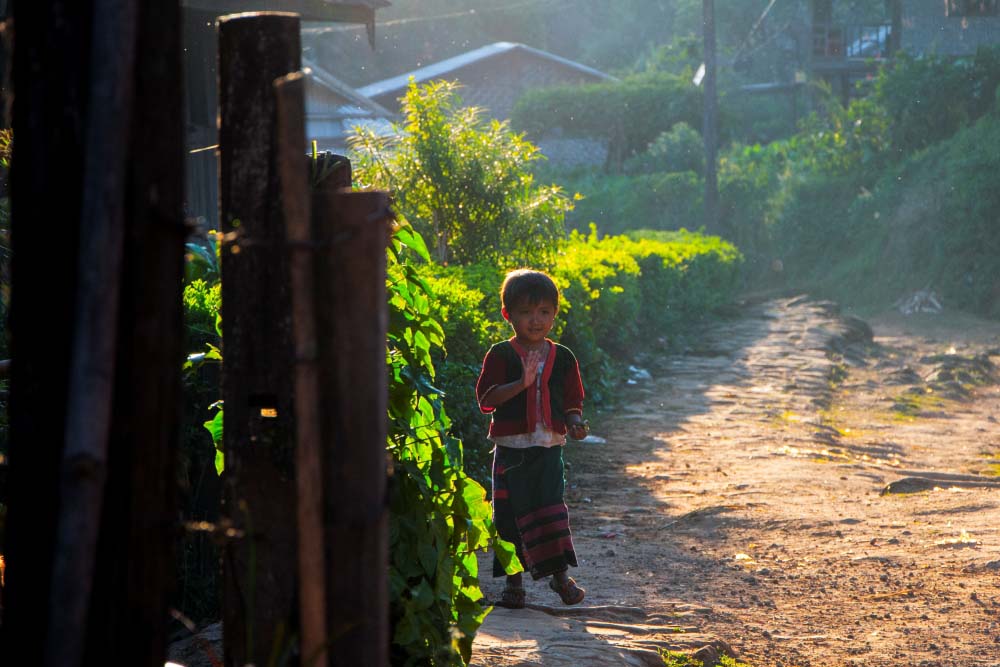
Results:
[97, 348]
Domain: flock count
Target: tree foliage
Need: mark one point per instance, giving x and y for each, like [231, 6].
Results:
[464, 181]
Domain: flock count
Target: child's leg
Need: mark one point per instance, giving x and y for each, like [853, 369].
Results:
[503, 513]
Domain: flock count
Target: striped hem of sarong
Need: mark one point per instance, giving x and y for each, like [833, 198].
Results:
[546, 540]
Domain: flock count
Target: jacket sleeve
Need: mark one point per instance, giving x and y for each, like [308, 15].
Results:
[492, 374]
[573, 388]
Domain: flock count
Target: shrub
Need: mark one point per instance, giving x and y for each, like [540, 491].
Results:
[462, 181]
[618, 203]
[679, 149]
[439, 516]
[202, 303]
[931, 97]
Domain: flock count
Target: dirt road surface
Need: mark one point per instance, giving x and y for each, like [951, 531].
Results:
[789, 490]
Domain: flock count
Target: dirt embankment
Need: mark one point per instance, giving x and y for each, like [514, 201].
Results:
[790, 490]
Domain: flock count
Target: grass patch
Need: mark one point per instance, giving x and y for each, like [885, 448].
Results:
[679, 659]
[912, 402]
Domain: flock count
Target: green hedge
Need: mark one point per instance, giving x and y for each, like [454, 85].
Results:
[631, 113]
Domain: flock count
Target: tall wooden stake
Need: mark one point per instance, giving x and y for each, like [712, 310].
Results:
[49, 119]
[88, 419]
[710, 125]
[296, 197]
[352, 317]
[136, 573]
[96, 372]
[257, 382]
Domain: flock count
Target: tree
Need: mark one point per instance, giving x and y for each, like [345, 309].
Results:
[463, 181]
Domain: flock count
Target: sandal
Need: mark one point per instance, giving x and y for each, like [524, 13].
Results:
[512, 598]
[569, 592]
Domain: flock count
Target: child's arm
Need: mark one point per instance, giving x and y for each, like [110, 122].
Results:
[500, 394]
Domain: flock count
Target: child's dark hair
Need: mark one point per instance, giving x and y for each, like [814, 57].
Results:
[528, 284]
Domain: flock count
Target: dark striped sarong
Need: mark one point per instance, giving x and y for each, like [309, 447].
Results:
[529, 510]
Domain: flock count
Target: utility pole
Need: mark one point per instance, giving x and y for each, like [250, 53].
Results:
[710, 125]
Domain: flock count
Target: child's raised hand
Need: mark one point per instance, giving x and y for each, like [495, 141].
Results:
[531, 368]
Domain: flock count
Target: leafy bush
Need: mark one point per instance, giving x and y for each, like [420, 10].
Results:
[931, 97]
[463, 181]
[679, 149]
[439, 515]
[202, 303]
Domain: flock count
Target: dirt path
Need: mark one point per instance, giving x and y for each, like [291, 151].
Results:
[739, 502]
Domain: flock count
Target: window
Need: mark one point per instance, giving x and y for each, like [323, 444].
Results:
[971, 7]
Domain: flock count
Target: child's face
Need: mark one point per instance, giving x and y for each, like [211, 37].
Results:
[532, 322]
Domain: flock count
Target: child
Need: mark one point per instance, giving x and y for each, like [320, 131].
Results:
[532, 388]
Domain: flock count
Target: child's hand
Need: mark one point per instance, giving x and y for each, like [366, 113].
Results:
[531, 368]
[579, 430]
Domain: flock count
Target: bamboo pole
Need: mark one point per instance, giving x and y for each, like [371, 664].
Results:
[295, 196]
[88, 422]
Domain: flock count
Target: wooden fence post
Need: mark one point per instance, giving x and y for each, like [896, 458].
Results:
[352, 316]
[136, 567]
[48, 119]
[98, 240]
[259, 433]
[339, 315]
[296, 199]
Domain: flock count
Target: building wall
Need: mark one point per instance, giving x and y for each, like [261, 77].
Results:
[498, 83]
[926, 29]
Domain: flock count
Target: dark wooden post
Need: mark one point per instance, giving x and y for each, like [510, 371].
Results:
[710, 124]
[135, 566]
[49, 118]
[351, 311]
[296, 199]
[84, 467]
[339, 313]
[259, 436]
[96, 334]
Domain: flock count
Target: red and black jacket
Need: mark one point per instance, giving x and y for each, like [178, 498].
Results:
[562, 389]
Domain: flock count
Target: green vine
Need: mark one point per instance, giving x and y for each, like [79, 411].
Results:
[439, 516]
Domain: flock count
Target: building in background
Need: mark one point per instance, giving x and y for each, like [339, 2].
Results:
[847, 51]
[949, 27]
[494, 77]
[334, 109]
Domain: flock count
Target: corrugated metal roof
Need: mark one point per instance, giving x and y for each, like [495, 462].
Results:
[324, 78]
[443, 68]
